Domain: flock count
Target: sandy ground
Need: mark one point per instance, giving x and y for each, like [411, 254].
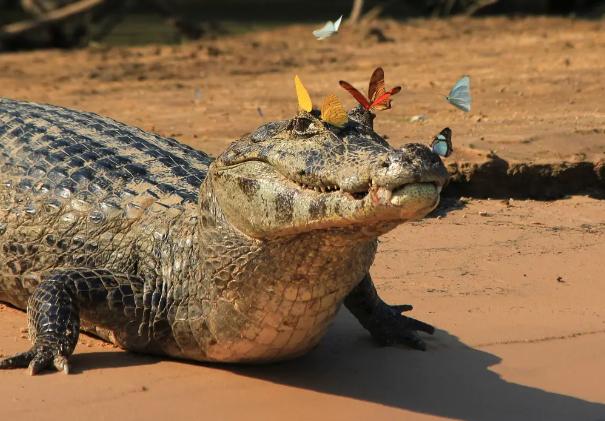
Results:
[516, 287]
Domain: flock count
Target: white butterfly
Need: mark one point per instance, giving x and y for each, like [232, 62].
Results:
[329, 29]
[460, 95]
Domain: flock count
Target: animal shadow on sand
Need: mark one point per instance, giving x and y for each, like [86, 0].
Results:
[84, 362]
[450, 380]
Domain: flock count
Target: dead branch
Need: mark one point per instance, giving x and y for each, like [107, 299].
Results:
[53, 17]
[356, 11]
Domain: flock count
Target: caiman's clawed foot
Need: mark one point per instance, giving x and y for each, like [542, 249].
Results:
[36, 360]
[385, 322]
[390, 327]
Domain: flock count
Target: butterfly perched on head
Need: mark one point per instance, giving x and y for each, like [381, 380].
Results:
[442, 143]
[378, 97]
[329, 29]
[332, 111]
[460, 95]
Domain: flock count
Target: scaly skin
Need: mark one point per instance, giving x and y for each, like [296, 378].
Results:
[157, 248]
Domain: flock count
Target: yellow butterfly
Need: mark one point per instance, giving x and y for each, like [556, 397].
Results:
[304, 100]
[332, 111]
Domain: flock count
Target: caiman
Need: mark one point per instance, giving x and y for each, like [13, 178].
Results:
[158, 248]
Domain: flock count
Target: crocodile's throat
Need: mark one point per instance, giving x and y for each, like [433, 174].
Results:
[271, 299]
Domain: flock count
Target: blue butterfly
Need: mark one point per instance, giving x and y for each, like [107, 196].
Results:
[460, 95]
[442, 143]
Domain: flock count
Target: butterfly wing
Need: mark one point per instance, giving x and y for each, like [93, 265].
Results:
[460, 95]
[337, 23]
[304, 100]
[442, 143]
[332, 112]
[325, 32]
[463, 85]
[376, 86]
[355, 94]
[383, 102]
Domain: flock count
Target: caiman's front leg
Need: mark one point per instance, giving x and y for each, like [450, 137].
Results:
[385, 322]
[54, 309]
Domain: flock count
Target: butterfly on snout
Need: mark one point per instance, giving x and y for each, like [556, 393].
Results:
[442, 143]
[332, 111]
[378, 97]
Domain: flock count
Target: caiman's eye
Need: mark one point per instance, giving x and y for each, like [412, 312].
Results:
[303, 126]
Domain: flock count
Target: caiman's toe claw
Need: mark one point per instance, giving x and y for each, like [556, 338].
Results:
[36, 360]
[17, 361]
[395, 328]
[61, 363]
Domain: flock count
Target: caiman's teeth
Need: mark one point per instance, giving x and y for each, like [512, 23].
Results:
[322, 189]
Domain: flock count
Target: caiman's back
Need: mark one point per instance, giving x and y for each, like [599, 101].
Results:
[73, 184]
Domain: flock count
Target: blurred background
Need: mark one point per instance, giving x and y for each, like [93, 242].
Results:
[26, 24]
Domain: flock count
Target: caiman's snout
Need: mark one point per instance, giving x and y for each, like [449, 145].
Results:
[411, 179]
[415, 163]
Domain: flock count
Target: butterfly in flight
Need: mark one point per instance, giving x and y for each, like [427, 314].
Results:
[460, 95]
[378, 97]
[442, 143]
[329, 29]
[332, 111]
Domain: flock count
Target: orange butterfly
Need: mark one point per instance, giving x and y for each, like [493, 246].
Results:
[333, 112]
[378, 97]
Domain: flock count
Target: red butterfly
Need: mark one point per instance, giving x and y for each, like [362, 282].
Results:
[378, 97]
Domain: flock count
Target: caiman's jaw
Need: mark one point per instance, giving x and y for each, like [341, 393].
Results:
[272, 206]
[353, 180]
[411, 200]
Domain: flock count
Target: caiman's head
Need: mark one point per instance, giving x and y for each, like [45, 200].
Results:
[301, 175]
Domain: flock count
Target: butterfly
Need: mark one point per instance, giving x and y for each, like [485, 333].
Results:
[460, 95]
[442, 143]
[329, 29]
[332, 111]
[304, 100]
[378, 98]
